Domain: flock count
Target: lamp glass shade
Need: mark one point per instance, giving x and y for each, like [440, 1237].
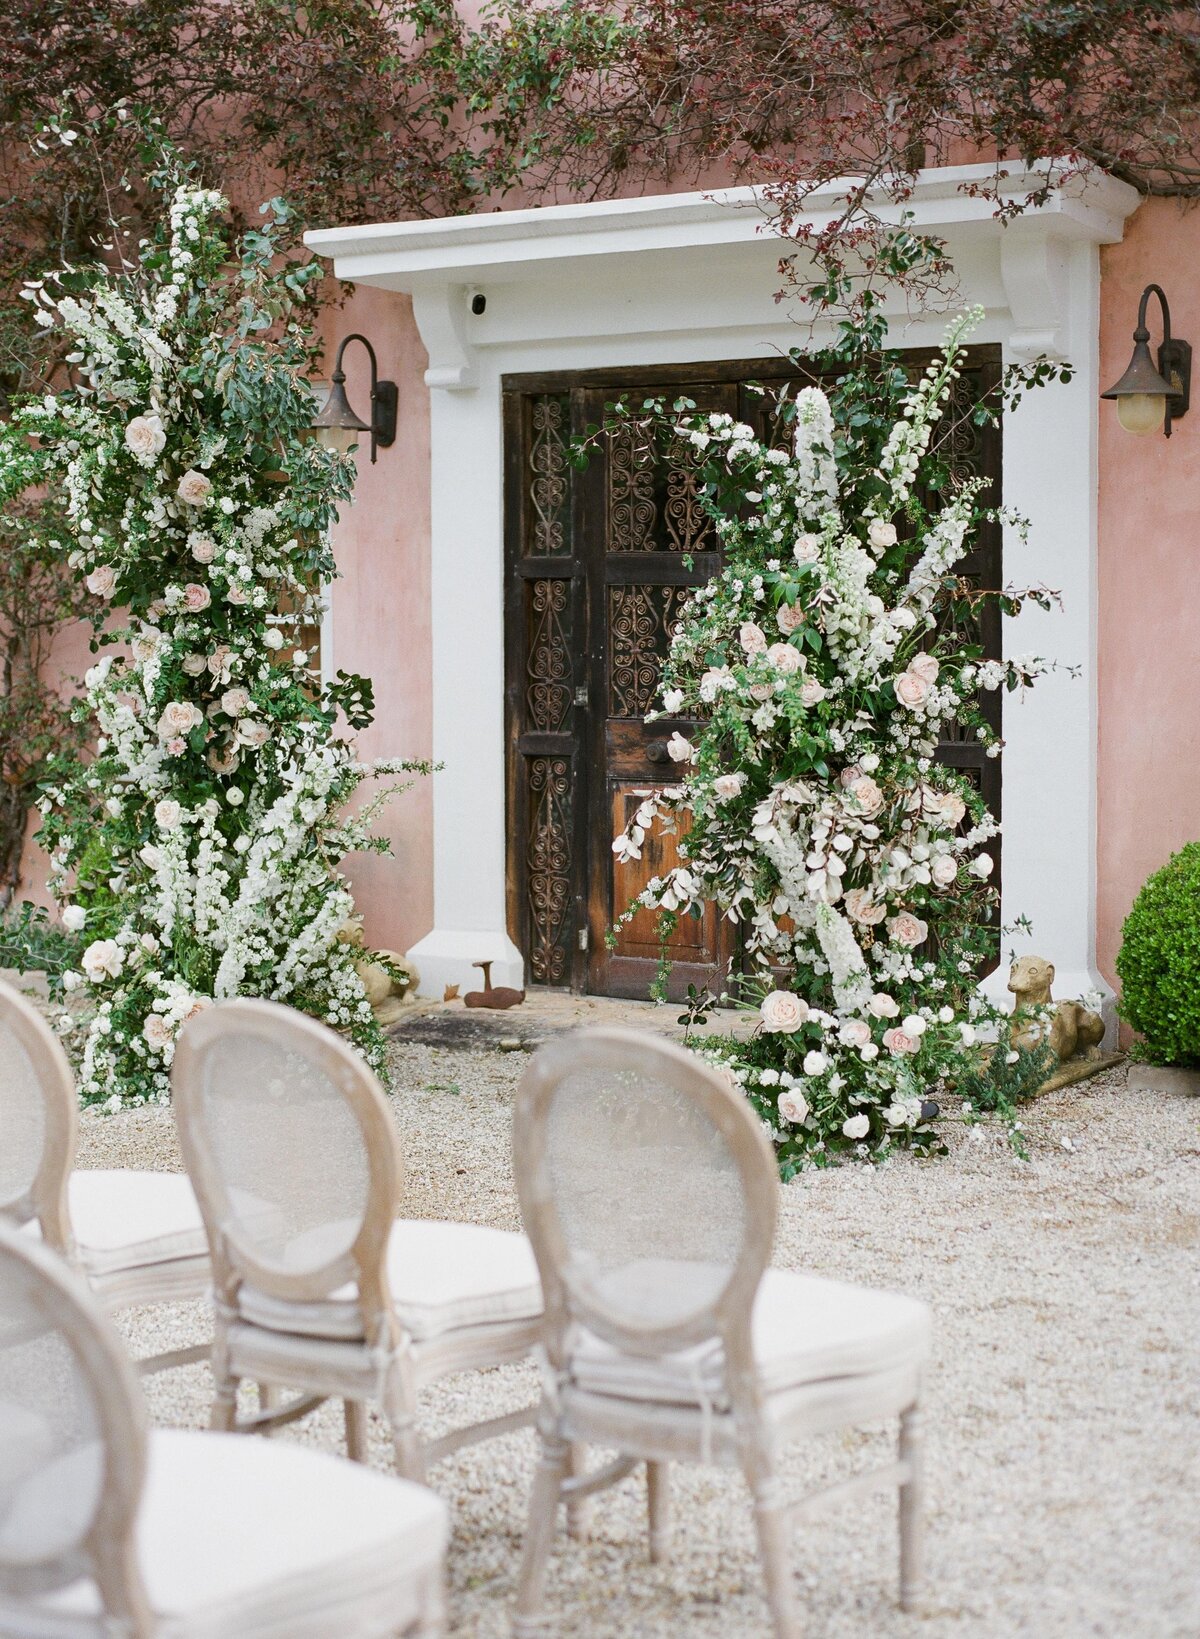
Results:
[1141, 413]
[337, 426]
[340, 439]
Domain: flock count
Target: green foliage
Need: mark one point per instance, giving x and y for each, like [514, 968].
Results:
[31, 942]
[1159, 962]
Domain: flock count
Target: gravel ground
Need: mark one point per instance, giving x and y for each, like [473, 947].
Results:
[1062, 1410]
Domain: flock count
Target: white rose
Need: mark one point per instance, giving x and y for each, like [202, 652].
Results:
[854, 1033]
[783, 1012]
[144, 437]
[815, 1063]
[914, 1025]
[193, 664]
[883, 1006]
[71, 980]
[102, 581]
[967, 1032]
[179, 717]
[793, 1107]
[728, 786]
[858, 1126]
[911, 690]
[924, 665]
[168, 813]
[299, 657]
[945, 1015]
[904, 619]
[156, 1030]
[273, 638]
[807, 548]
[103, 959]
[906, 929]
[881, 534]
[74, 917]
[672, 700]
[981, 866]
[194, 488]
[679, 750]
[944, 870]
[784, 658]
[868, 1052]
[861, 908]
[235, 796]
[235, 702]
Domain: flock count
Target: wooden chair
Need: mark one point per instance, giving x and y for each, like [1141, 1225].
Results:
[107, 1529]
[137, 1237]
[317, 1286]
[650, 1194]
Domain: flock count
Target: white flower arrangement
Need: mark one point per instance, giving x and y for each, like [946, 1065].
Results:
[819, 671]
[196, 855]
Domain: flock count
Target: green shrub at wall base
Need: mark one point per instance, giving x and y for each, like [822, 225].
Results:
[1159, 964]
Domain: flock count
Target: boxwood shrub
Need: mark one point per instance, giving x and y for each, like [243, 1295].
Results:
[1159, 963]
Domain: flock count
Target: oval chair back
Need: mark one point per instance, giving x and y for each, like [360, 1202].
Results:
[72, 1439]
[649, 1193]
[290, 1147]
[38, 1120]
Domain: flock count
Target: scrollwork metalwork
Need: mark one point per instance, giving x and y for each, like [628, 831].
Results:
[640, 623]
[549, 475]
[548, 695]
[548, 858]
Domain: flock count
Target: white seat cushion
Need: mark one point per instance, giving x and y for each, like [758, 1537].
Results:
[239, 1537]
[804, 1330]
[442, 1277]
[126, 1220]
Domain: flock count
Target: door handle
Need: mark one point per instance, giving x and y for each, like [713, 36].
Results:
[656, 752]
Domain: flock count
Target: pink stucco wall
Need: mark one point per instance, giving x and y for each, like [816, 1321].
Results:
[381, 610]
[1149, 584]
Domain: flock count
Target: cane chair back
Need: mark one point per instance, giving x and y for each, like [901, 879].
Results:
[72, 1434]
[291, 1151]
[38, 1120]
[648, 1191]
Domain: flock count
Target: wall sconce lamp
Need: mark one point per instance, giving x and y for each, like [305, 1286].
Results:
[337, 426]
[1147, 397]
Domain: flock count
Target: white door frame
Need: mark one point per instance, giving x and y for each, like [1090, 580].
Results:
[687, 278]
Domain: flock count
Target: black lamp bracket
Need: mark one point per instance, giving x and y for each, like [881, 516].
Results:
[1174, 357]
[385, 396]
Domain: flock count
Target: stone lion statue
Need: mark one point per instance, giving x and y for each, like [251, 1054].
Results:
[1074, 1030]
[391, 984]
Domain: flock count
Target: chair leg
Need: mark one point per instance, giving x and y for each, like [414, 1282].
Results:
[223, 1416]
[356, 1430]
[400, 1409]
[912, 1509]
[774, 1548]
[539, 1534]
[658, 1498]
[579, 1512]
[269, 1399]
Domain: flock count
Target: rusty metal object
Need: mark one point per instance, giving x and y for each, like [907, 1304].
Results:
[496, 996]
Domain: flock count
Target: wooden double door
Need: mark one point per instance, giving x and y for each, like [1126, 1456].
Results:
[599, 561]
